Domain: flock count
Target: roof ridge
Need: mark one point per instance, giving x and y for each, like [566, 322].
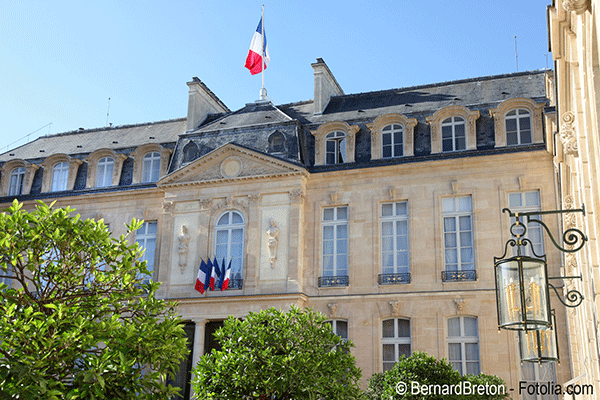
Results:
[110, 128]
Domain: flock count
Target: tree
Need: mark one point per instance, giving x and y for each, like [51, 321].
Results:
[278, 355]
[80, 319]
[426, 370]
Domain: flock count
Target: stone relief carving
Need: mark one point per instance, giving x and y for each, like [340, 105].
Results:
[230, 202]
[333, 309]
[296, 196]
[333, 196]
[459, 304]
[395, 307]
[579, 6]
[168, 206]
[254, 198]
[455, 187]
[272, 241]
[182, 247]
[392, 192]
[204, 204]
[567, 133]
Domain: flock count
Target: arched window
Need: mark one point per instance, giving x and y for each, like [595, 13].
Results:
[151, 167]
[463, 344]
[392, 141]
[454, 134]
[335, 148]
[190, 152]
[15, 186]
[60, 175]
[518, 127]
[104, 171]
[395, 340]
[276, 143]
[229, 244]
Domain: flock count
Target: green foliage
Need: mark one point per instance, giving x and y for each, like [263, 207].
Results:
[78, 321]
[279, 355]
[427, 370]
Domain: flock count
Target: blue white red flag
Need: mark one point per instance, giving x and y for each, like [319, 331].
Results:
[209, 271]
[214, 274]
[201, 278]
[226, 276]
[258, 55]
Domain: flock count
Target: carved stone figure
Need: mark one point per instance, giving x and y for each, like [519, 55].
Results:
[272, 242]
[183, 239]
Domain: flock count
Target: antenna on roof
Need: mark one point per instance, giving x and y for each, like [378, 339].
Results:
[107, 112]
[516, 54]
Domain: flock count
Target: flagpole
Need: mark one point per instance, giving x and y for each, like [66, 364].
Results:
[263, 91]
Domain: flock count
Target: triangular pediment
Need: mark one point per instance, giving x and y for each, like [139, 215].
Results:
[231, 162]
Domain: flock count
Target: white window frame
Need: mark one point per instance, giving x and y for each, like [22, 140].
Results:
[60, 176]
[519, 115]
[17, 177]
[143, 237]
[151, 167]
[391, 130]
[538, 245]
[338, 138]
[104, 171]
[453, 122]
[461, 265]
[463, 340]
[395, 219]
[396, 341]
[336, 223]
[237, 261]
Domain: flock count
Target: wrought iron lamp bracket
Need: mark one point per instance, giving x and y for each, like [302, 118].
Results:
[573, 296]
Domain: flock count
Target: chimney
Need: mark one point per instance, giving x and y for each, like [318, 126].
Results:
[202, 101]
[325, 86]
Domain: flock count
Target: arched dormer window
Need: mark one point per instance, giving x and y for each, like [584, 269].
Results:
[190, 152]
[277, 143]
[453, 128]
[104, 168]
[17, 177]
[392, 136]
[60, 172]
[229, 244]
[335, 143]
[518, 121]
[150, 163]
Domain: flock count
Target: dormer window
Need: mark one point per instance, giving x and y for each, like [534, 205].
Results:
[276, 143]
[518, 127]
[190, 152]
[453, 128]
[453, 134]
[60, 176]
[151, 167]
[392, 140]
[335, 147]
[15, 186]
[392, 136]
[104, 171]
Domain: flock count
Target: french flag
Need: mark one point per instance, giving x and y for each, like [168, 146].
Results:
[258, 47]
[214, 275]
[201, 278]
[226, 275]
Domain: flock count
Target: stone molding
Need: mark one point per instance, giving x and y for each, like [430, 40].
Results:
[138, 158]
[579, 6]
[568, 135]
[92, 161]
[376, 128]
[499, 115]
[329, 127]
[463, 112]
[49, 164]
[9, 166]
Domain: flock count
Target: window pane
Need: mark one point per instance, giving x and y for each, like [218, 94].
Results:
[470, 326]
[451, 258]
[342, 329]
[447, 145]
[327, 265]
[388, 328]
[449, 224]
[460, 144]
[403, 328]
[514, 200]
[387, 210]
[459, 129]
[387, 139]
[454, 327]
[402, 208]
[387, 151]
[464, 203]
[511, 125]
[342, 231]
[342, 264]
[448, 204]
[328, 247]
[450, 240]
[328, 214]
[511, 138]
[457, 366]
[342, 213]
[328, 232]
[525, 137]
[403, 350]
[524, 123]
[465, 223]
[473, 368]
[342, 246]
[472, 351]
[532, 199]
[446, 132]
[236, 218]
[388, 352]
[454, 353]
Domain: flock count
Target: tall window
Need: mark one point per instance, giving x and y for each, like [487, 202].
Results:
[151, 167]
[395, 341]
[104, 171]
[463, 344]
[15, 186]
[392, 139]
[518, 127]
[335, 147]
[394, 240]
[339, 327]
[229, 243]
[457, 218]
[532, 374]
[146, 238]
[453, 134]
[60, 175]
[276, 143]
[335, 241]
[527, 202]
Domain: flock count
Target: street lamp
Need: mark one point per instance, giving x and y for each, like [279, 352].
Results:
[539, 345]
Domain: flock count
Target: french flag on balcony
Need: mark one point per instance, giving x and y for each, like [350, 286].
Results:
[214, 274]
[226, 275]
[258, 55]
[202, 278]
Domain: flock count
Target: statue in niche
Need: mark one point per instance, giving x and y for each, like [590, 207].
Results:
[272, 242]
[184, 239]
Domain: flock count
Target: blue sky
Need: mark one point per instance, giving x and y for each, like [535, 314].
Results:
[60, 61]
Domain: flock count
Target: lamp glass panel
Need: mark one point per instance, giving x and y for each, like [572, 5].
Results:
[539, 345]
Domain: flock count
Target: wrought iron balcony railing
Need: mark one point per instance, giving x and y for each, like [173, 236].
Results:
[329, 281]
[393, 279]
[459, 276]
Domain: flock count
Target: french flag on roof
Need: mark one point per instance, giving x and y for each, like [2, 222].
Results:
[259, 51]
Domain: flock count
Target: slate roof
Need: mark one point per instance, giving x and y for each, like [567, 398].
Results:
[259, 113]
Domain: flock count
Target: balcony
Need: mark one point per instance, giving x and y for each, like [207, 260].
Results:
[332, 281]
[393, 279]
[459, 276]
[235, 284]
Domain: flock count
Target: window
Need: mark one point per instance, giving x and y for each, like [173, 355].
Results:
[15, 186]
[335, 148]
[518, 127]
[453, 134]
[190, 152]
[339, 327]
[60, 174]
[146, 238]
[527, 202]
[276, 143]
[395, 341]
[392, 141]
[394, 243]
[335, 245]
[463, 344]
[534, 373]
[229, 244]
[457, 218]
[151, 167]
[104, 171]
